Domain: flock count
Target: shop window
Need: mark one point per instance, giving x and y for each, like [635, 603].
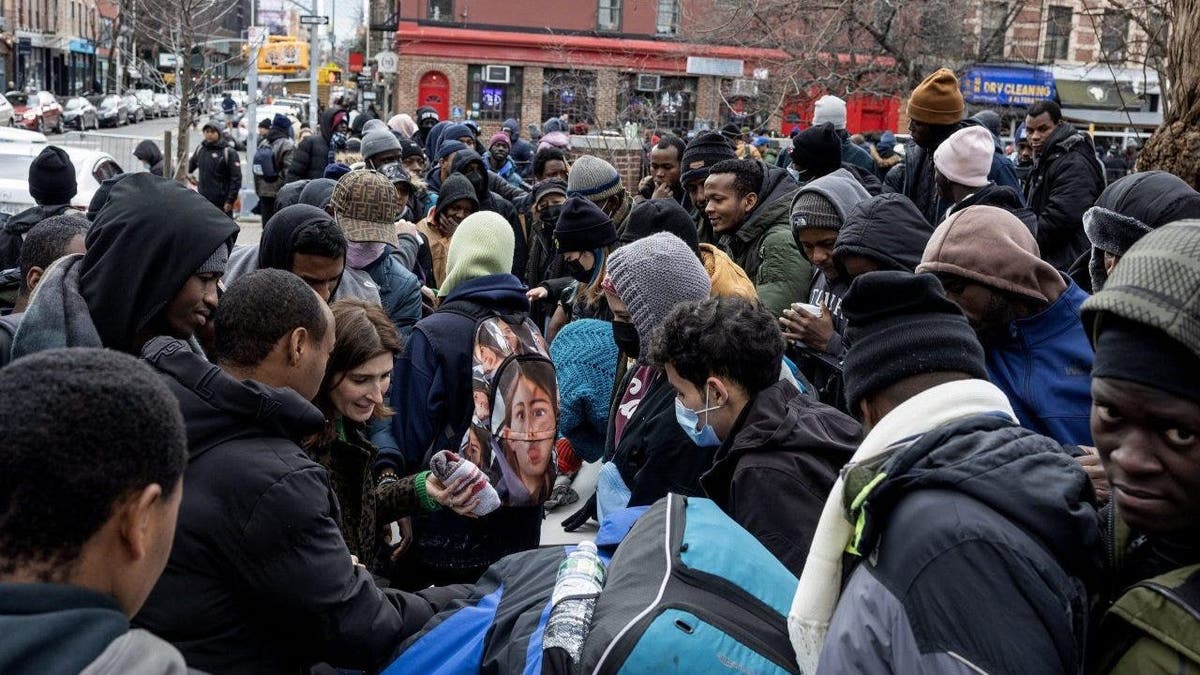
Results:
[441, 10]
[1058, 33]
[657, 102]
[494, 92]
[571, 93]
[609, 15]
[1114, 28]
[668, 17]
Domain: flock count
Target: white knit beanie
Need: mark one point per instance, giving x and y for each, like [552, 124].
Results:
[966, 157]
[830, 109]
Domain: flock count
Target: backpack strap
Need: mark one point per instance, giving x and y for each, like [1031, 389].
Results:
[1165, 608]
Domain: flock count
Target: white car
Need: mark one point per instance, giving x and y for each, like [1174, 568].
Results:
[91, 168]
[6, 112]
[11, 135]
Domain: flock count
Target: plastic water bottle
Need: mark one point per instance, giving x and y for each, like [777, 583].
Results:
[580, 580]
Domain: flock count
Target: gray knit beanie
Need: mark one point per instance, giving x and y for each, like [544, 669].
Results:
[652, 276]
[216, 262]
[812, 210]
[377, 141]
[593, 178]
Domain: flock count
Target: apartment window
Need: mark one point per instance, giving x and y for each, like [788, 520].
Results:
[993, 25]
[494, 93]
[441, 10]
[571, 93]
[657, 102]
[1058, 33]
[668, 17]
[609, 15]
[1114, 28]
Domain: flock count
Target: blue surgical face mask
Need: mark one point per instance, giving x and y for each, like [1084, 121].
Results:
[689, 421]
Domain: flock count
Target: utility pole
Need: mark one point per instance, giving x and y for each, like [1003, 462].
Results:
[252, 82]
[313, 57]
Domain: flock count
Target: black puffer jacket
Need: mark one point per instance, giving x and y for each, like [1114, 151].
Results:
[1066, 180]
[774, 472]
[1001, 197]
[259, 578]
[312, 154]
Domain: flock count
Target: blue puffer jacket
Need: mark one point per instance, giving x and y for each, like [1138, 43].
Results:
[399, 292]
[1045, 370]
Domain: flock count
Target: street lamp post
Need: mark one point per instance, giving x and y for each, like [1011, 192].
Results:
[313, 48]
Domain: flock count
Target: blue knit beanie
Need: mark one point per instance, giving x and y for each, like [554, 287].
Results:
[585, 358]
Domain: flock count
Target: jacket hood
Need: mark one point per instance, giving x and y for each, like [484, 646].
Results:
[433, 139]
[1066, 138]
[455, 188]
[774, 200]
[780, 420]
[464, 157]
[217, 408]
[279, 236]
[840, 188]
[55, 627]
[22, 222]
[1026, 478]
[138, 257]
[887, 229]
[501, 292]
[148, 151]
[325, 123]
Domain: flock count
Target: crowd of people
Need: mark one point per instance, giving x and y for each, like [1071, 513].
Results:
[956, 401]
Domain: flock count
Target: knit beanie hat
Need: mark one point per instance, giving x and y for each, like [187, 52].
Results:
[447, 148]
[456, 131]
[991, 246]
[652, 276]
[554, 124]
[282, 123]
[410, 149]
[1129, 209]
[826, 201]
[264, 123]
[500, 137]
[900, 325]
[830, 109]
[937, 100]
[585, 358]
[988, 119]
[887, 141]
[482, 245]
[52, 177]
[550, 186]
[457, 187]
[377, 141]
[1154, 286]
[701, 154]
[818, 150]
[966, 156]
[216, 262]
[661, 215]
[335, 171]
[365, 205]
[593, 178]
[582, 226]
[427, 116]
[373, 124]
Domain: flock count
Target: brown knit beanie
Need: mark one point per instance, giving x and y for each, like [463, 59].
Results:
[937, 99]
[991, 246]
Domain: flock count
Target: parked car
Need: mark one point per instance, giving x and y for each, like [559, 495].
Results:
[12, 135]
[168, 105]
[146, 98]
[6, 113]
[113, 111]
[136, 112]
[80, 114]
[38, 111]
[298, 106]
[91, 168]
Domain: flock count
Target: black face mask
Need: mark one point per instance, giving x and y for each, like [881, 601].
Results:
[479, 182]
[549, 214]
[626, 337]
[577, 271]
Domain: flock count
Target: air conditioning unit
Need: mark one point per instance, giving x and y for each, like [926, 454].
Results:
[497, 74]
[744, 88]
[649, 83]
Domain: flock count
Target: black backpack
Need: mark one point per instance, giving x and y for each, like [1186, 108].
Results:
[264, 161]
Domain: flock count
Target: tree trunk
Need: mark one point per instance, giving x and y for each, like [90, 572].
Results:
[1175, 145]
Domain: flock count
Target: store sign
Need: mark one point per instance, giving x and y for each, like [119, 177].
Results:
[703, 65]
[1004, 85]
[283, 57]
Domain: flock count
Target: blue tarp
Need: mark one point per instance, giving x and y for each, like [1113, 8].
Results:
[1006, 85]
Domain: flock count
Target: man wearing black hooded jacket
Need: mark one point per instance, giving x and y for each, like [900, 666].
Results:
[471, 165]
[259, 578]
